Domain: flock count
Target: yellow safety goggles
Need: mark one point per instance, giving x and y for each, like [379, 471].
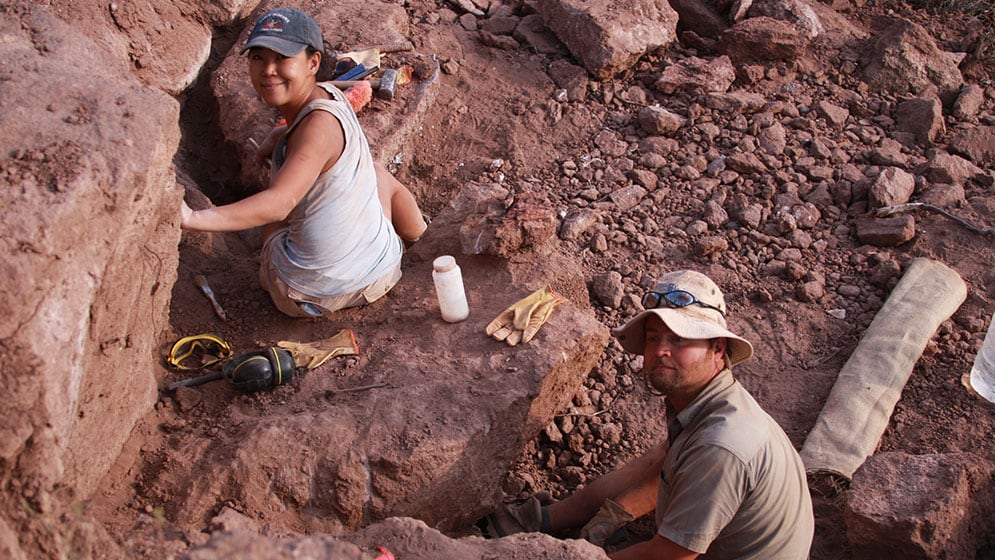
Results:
[198, 352]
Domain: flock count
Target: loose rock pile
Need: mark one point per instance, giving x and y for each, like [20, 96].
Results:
[764, 151]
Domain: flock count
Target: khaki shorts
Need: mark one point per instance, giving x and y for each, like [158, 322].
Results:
[288, 300]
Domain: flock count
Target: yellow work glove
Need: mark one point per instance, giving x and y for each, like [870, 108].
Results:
[609, 519]
[313, 354]
[521, 321]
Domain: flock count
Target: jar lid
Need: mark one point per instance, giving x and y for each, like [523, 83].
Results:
[445, 263]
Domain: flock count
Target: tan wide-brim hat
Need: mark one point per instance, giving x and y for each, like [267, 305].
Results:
[693, 322]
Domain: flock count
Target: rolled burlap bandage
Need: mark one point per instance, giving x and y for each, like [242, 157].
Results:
[856, 413]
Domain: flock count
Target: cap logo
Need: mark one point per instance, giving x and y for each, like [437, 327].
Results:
[287, 31]
[273, 24]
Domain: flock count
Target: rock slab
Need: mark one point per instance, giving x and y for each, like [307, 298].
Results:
[89, 238]
[605, 38]
[451, 411]
[920, 506]
[83, 300]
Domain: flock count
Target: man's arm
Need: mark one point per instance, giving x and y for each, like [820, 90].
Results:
[657, 548]
[640, 497]
[633, 486]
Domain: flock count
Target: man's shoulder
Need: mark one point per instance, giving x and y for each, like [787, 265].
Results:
[733, 421]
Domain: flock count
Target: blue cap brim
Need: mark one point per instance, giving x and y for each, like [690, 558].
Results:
[276, 44]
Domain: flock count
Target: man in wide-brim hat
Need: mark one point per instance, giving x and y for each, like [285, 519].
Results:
[725, 483]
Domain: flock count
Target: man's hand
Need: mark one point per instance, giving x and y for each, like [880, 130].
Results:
[609, 519]
[508, 519]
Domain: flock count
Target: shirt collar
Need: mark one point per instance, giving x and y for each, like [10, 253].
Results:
[677, 420]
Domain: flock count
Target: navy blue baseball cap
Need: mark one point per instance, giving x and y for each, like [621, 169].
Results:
[286, 31]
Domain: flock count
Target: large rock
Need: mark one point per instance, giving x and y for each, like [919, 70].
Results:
[904, 60]
[764, 39]
[890, 231]
[942, 167]
[969, 101]
[403, 537]
[891, 187]
[920, 506]
[606, 38]
[165, 43]
[920, 120]
[455, 410]
[798, 12]
[976, 144]
[89, 234]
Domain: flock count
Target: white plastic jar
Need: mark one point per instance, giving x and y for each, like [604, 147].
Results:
[448, 279]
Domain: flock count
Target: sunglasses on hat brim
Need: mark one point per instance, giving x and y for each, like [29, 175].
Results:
[674, 299]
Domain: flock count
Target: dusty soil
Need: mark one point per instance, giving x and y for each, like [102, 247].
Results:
[494, 120]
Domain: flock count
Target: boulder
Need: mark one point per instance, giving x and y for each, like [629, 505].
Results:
[89, 233]
[890, 231]
[905, 60]
[976, 144]
[942, 167]
[763, 39]
[607, 40]
[164, 43]
[920, 119]
[402, 537]
[968, 102]
[797, 12]
[891, 187]
[920, 506]
[448, 413]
